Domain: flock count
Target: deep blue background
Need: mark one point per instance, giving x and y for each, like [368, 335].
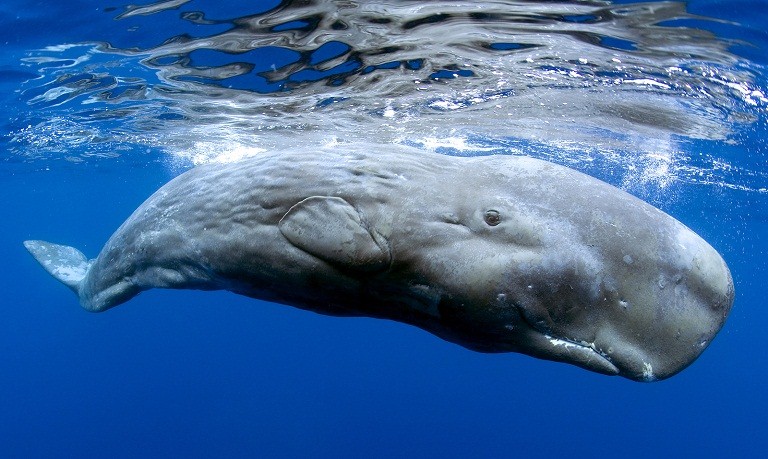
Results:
[211, 374]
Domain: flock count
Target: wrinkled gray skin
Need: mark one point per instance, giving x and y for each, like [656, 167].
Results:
[495, 253]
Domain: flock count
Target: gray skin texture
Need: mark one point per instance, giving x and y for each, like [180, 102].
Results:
[495, 253]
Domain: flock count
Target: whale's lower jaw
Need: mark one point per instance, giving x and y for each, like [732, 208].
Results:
[581, 354]
[584, 355]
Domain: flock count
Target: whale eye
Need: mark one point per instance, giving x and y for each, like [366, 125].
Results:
[492, 217]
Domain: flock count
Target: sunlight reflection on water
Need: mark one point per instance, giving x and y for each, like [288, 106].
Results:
[586, 83]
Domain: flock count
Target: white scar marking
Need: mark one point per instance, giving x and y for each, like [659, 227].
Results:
[71, 273]
[561, 342]
[648, 372]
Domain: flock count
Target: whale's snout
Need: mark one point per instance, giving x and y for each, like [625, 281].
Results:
[644, 316]
[617, 287]
[676, 315]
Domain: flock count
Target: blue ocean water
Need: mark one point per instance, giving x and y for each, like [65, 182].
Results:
[105, 102]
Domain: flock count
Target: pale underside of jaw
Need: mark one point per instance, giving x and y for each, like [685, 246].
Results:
[583, 354]
[580, 353]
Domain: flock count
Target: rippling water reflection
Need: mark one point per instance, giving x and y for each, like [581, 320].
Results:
[641, 88]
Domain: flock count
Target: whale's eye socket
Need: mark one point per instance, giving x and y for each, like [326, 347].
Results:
[492, 217]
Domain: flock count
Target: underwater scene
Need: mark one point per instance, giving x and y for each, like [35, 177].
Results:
[526, 228]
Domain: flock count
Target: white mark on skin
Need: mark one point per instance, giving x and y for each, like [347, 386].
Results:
[648, 372]
[580, 345]
[561, 342]
[71, 273]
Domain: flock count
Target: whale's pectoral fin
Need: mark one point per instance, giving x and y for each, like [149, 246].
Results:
[66, 264]
[331, 229]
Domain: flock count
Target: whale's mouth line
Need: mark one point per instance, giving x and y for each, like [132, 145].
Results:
[584, 354]
[581, 353]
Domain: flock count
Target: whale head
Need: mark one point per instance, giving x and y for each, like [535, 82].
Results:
[543, 260]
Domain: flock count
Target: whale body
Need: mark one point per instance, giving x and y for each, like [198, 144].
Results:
[495, 253]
